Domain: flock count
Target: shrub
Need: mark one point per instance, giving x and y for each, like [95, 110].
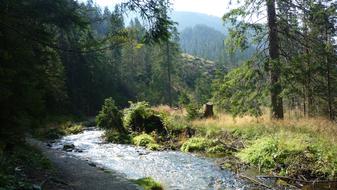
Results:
[195, 144]
[74, 129]
[110, 117]
[268, 152]
[193, 111]
[143, 140]
[116, 137]
[139, 117]
[148, 184]
[217, 149]
[147, 141]
[153, 146]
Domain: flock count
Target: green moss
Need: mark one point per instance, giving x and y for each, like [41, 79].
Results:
[195, 144]
[148, 184]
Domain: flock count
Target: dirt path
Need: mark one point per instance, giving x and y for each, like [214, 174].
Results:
[79, 175]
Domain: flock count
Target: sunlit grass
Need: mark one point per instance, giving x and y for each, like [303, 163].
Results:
[298, 145]
[317, 126]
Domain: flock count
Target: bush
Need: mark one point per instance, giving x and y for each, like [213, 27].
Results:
[193, 111]
[143, 140]
[269, 152]
[110, 117]
[139, 117]
[148, 184]
[153, 146]
[217, 149]
[196, 144]
[74, 129]
[146, 140]
[116, 137]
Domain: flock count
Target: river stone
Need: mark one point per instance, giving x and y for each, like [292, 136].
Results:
[68, 147]
[92, 164]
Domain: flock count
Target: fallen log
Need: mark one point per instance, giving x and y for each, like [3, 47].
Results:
[255, 181]
[299, 180]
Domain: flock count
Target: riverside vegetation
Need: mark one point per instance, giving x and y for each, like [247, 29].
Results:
[303, 149]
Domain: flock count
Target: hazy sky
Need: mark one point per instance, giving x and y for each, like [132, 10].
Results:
[210, 7]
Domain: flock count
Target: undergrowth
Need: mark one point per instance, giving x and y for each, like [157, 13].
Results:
[148, 183]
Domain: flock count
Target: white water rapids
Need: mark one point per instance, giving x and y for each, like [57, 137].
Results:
[174, 170]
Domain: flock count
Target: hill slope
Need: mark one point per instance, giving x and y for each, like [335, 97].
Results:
[191, 19]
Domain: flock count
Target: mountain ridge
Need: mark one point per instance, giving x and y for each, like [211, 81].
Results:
[190, 19]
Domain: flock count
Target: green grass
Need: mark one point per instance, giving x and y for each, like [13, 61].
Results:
[25, 160]
[292, 154]
[302, 147]
[149, 184]
[58, 129]
[196, 144]
[146, 140]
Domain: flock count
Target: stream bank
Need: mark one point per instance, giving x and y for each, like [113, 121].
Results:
[79, 175]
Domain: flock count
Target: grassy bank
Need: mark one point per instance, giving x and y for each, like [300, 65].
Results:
[303, 147]
[293, 147]
[56, 127]
[24, 167]
[148, 183]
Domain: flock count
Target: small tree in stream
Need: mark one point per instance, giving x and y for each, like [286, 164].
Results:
[110, 117]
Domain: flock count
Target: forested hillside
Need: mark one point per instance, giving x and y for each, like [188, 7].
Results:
[191, 19]
[209, 43]
[71, 65]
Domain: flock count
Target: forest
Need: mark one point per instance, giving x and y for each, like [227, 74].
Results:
[259, 96]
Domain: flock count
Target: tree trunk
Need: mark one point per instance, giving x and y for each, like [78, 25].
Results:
[331, 115]
[275, 69]
[208, 110]
[169, 72]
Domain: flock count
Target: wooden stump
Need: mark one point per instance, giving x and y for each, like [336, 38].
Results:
[208, 112]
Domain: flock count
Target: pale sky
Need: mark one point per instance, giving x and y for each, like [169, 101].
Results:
[210, 7]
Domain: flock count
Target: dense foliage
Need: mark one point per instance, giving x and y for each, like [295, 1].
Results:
[65, 58]
[110, 117]
[140, 117]
[296, 56]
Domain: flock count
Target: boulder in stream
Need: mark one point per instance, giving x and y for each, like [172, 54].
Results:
[68, 147]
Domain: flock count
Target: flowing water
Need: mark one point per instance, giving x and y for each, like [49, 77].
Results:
[175, 170]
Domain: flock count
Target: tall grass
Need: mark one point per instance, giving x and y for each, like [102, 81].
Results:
[319, 127]
[295, 146]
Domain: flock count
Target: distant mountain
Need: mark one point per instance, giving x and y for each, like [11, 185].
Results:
[191, 19]
[208, 43]
[203, 41]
